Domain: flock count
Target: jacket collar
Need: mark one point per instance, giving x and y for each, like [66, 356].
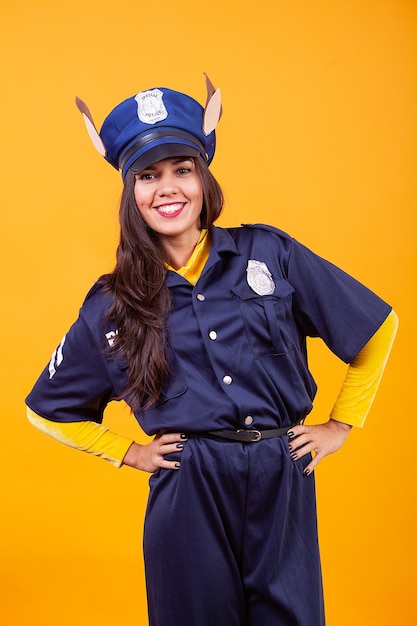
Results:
[222, 243]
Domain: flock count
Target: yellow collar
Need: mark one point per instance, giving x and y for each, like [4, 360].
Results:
[195, 264]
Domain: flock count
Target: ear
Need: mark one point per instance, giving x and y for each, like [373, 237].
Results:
[91, 129]
[213, 110]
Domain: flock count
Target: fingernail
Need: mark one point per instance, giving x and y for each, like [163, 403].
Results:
[180, 446]
[306, 472]
[184, 436]
[294, 456]
[290, 434]
[290, 448]
[178, 465]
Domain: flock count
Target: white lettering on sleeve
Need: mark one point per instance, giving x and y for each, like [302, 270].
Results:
[57, 358]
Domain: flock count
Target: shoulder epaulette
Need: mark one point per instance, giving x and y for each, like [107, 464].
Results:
[270, 229]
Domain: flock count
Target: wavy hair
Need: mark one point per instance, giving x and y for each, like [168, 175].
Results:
[141, 300]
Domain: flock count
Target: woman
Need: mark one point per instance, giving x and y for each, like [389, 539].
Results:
[202, 330]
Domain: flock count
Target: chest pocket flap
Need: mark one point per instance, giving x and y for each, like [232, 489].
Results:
[267, 318]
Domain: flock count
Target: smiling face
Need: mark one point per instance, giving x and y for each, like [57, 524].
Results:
[169, 196]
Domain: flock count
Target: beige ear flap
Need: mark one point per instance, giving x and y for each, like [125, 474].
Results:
[213, 110]
[91, 129]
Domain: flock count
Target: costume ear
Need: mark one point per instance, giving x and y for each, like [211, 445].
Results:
[210, 88]
[213, 110]
[91, 129]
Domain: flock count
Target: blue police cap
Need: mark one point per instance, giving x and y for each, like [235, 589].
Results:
[156, 124]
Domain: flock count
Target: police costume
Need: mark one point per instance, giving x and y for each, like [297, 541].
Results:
[231, 538]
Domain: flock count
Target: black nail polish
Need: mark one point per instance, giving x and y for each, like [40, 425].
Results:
[178, 465]
[306, 472]
[290, 448]
[294, 456]
[180, 446]
[184, 436]
[290, 434]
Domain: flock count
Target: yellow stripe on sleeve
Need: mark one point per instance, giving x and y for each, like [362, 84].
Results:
[86, 436]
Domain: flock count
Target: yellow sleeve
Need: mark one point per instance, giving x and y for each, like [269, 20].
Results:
[86, 436]
[364, 375]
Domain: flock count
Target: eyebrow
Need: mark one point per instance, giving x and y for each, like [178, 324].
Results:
[174, 161]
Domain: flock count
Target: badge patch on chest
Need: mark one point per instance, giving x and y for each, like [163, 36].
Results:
[260, 278]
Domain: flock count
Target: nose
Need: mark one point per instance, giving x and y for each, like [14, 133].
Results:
[168, 184]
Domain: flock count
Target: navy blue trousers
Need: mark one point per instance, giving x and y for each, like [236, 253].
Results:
[231, 539]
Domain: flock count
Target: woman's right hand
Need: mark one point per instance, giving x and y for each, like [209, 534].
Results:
[150, 457]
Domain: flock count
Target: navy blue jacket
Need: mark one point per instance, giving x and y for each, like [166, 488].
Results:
[237, 339]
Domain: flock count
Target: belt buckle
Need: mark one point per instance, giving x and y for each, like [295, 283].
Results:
[257, 435]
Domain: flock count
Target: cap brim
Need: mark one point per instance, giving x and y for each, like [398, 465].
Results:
[162, 151]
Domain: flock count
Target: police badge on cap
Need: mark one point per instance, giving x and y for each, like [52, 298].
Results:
[151, 108]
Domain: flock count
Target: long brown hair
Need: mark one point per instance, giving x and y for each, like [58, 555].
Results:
[141, 299]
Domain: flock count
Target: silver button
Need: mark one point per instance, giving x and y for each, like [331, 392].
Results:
[227, 380]
[248, 420]
[213, 335]
[201, 297]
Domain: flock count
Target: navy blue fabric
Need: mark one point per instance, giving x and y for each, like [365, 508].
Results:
[260, 340]
[230, 539]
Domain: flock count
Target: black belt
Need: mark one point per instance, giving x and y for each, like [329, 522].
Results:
[244, 435]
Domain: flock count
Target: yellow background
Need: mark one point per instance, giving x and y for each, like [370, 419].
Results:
[318, 138]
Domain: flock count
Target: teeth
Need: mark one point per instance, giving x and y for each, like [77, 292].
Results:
[171, 208]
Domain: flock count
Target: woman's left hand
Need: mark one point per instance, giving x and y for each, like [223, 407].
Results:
[323, 439]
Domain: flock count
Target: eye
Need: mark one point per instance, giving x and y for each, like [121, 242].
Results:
[145, 176]
[184, 170]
